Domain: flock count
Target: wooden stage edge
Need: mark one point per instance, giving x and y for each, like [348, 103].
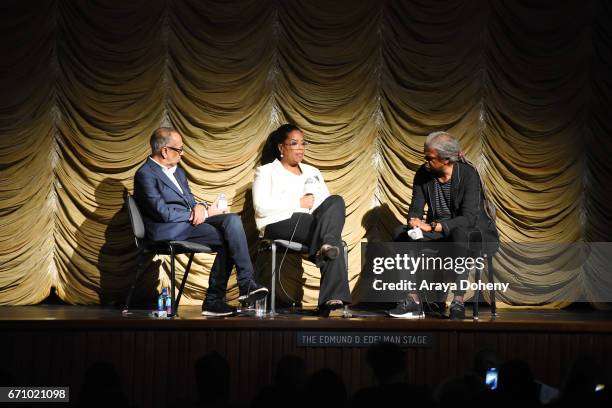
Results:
[56, 344]
[65, 317]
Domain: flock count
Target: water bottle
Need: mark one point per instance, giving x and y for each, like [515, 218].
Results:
[161, 304]
[168, 303]
[222, 202]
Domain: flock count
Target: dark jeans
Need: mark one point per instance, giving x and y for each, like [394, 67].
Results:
[458, 237]
[323, 226]
[225, 234]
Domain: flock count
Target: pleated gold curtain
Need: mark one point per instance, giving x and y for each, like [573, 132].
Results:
[525, 86]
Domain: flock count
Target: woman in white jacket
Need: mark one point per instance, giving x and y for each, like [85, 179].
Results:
[292, 202]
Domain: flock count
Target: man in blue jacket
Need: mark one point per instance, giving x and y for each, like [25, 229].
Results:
[171, 212]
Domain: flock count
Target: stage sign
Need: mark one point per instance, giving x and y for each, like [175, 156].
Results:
[362, 339]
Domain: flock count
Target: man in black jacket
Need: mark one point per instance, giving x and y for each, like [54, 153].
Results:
[453, 192]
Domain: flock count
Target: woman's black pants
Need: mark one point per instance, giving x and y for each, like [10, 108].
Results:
[323, 226]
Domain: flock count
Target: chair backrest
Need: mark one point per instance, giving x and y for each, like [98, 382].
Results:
[135, 219]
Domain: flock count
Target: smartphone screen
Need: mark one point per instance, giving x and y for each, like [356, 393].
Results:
[491, 378]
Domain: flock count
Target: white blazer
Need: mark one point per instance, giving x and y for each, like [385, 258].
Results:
[277, 192]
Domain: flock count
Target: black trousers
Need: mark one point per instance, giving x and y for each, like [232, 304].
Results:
[459, 237]
[225, 234]
[323, 226]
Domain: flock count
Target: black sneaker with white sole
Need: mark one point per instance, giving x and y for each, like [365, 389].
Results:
[217, 309]
[254, 293]
[407, 309]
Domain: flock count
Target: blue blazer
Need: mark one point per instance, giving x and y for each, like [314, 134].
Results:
[164, 208]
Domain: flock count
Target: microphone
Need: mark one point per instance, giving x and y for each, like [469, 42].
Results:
[309, 186]
[309, 189]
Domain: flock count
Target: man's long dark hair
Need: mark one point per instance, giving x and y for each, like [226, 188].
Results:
[270, 150]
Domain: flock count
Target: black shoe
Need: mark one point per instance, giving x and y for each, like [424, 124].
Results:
[330, 252]
[457, 311]
[407, 309]
[322, 256]
[218, 308]
[329, 306]
[254, 292]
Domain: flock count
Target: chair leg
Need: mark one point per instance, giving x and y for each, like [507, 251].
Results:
[137, 275]
[172, 278]
[273, 285]
[491, 280]
[345, 311]
[476, 294]
[345, 245]
[182, 287]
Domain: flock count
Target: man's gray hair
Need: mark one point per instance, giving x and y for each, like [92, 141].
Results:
[161, 138]
[445, 144]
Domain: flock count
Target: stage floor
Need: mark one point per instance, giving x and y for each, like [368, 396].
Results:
[578, 319]
[55, 345]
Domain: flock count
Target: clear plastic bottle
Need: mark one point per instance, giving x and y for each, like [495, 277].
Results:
[168, 303]
[161, 304]
[222, 202]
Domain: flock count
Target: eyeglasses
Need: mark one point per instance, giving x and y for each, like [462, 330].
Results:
[294, 144]
[430, 159]
[179, 150]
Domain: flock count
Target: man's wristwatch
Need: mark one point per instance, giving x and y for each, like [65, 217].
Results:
[433, 226]
[205, 204]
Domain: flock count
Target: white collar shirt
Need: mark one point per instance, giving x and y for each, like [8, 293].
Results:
[170, 173]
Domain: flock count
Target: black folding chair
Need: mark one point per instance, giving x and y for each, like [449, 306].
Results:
[171, 248]
[292, 247]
